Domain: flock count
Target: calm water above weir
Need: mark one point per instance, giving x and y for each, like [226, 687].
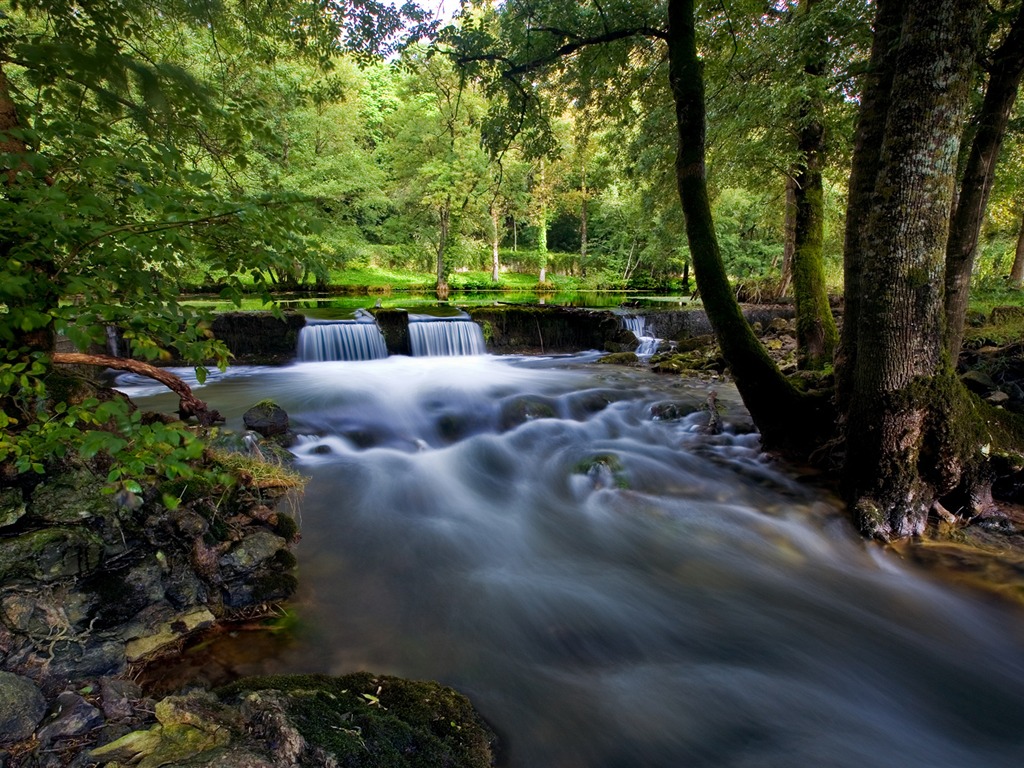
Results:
[614, 589]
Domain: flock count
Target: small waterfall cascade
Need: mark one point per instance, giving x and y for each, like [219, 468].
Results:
[358, 339]
[445, 336]
[644, 333]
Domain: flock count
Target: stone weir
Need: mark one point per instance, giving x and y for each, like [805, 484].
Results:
[262, 338]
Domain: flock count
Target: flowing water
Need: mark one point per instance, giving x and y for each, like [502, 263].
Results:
[644, 331]
[610, 586]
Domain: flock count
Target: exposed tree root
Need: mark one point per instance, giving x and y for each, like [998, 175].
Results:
[189, 405]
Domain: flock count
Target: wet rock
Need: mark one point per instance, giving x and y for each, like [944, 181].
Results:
[252, 551]
[22, 707]
[74, 717]
[620, 358]
[267, 418]
[12, 506]
[519, 410]
[622, 341]
[671, 411]
[168, 634]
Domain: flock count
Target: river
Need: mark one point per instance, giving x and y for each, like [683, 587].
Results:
[610, 586]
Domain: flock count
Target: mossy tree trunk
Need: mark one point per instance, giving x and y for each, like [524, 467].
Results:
[907, 411]
[867, 147]
[817, 336]
[1017, 270]
[1004, 78]
[788, 236]
[780, 412]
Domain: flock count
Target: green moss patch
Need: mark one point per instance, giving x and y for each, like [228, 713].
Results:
[374, 720]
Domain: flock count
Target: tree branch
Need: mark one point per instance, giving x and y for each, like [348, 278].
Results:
[189, 405]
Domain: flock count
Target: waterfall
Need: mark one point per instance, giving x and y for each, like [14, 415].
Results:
[644, 333]
[359, 339]
[435, 337]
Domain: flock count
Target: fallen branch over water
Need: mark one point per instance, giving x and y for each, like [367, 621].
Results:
[189, 405]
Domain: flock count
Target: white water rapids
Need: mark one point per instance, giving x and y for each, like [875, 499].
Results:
[614, 590]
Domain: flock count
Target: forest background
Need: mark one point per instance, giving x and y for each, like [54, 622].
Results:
[155, 147]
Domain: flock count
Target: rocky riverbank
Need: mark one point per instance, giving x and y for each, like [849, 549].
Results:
[94, 587]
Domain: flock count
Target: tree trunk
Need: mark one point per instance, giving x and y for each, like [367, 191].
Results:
[906, 402]
[444, 215]
[583, 222]
[495, 241]
[979, 173]
[788, 235]
[1017, 270]
[863, 172]
[815, 327]
[542, 226]
[779, 411]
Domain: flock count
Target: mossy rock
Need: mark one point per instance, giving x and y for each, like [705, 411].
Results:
[12, 506]
[50, 554]
[620, 358]
[371, 721]
[520, 410]
[70, 497]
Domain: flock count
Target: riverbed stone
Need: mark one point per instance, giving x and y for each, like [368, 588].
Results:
[74, 717]
[22, 707]
[267, 418]
[76, 659]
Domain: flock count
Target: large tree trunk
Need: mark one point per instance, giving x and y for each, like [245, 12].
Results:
[779, 411]
[979, 173]
[815, 327]
[867, 148]
[906, 402]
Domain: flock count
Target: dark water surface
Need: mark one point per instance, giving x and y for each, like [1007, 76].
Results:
[614, 589]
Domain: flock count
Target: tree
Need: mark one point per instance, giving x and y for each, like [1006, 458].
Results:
[911, 434]
[435, 154]
[123, 138]
[1005, 69]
